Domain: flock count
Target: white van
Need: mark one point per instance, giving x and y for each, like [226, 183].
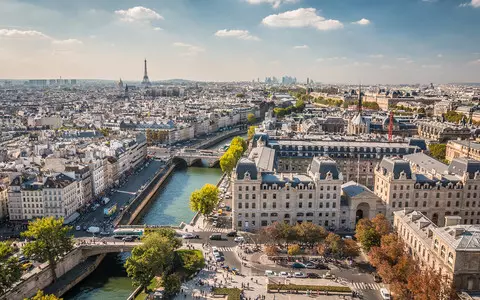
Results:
[385, 294]
[269, 273]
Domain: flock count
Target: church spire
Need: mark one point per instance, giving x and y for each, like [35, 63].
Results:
[359, 107]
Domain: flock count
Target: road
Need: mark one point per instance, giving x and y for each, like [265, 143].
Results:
[120, 197]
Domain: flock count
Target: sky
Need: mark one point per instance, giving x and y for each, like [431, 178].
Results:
[329, 41]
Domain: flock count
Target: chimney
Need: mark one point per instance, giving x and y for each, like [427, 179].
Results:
[452, 220]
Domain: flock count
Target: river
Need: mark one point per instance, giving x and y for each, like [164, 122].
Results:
[170, 207]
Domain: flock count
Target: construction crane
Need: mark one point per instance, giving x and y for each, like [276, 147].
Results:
[390, 127]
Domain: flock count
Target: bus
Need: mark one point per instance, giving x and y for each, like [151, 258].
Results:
[124, 232]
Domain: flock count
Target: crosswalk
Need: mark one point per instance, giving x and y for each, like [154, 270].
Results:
[215, 229]
[366, 286]
[226, 249]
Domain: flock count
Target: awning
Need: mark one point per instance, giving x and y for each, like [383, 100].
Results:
[71, 218]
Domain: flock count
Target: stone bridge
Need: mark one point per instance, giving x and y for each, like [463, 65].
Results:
[91, 249]
[192, 157]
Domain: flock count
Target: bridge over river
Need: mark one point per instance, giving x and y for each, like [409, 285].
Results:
[193, 156]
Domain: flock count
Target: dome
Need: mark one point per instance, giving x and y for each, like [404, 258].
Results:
[246, 166]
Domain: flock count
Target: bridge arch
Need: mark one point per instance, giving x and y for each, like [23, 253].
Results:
[179, 162]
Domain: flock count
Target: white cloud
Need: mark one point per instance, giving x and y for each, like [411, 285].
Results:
[22, 34]
[274, 3]
[190, 50]
[362, 21]
[473, 3]
[138, 14]
[301, 47]
[157, 29]
[235, 33]
[67, 42]
[376, 56]
[300, 18]
[439, 55]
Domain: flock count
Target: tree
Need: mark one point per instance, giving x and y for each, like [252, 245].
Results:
[251, 118]
[381, 224]
[438, 151]
[190, 260]
[205, 199]
[50, 241]
[334, 244]
[228, 162]
[369, 232]
[422, 111]
[251, 132]
[271, 250]
[154, 257]
[10, 269]
[310, 233]
[240, 95]
[299, 105]
[171, 284]
[41, 296]
[351, 248]
[239, 141]
[293, 249]
[428, 284]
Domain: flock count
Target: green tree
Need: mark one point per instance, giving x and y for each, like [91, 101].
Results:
[251, 118]
[240, 95]
[422, 111]
[10, 270]
[154, 257]
[251, 132]
[50, 241]
[41, 296]
[171, 284]
[228, 162]
[438, 151]
[310, 233]
[205, 199]
[300, 105]
[240, 142]
[334, 244]
[190, 260]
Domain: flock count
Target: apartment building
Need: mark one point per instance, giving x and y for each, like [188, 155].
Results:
[462, 149]
[442, 131]
[452, 250]
[3, 201]
[425, 184]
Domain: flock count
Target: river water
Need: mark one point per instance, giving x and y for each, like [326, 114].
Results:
[170, 207]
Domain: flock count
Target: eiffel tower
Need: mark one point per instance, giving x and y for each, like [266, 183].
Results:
[145, 81]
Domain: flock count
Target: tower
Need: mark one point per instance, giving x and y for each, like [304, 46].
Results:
[359, 107]
[145, 81]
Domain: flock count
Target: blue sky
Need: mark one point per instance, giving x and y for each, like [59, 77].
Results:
[332, 41]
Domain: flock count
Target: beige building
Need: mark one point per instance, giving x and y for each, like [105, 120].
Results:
[3, 202]
[422, 183]
[452, 250]
[441, 131]
[462, 149]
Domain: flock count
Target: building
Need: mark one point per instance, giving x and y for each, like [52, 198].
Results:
[356, 158]
[452, 250]
[260, 198]
[441, 131]
[462, 149]
[83, 175]
[3, 202]
[425, 184]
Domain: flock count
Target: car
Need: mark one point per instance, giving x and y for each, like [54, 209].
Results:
[385, 294]
[128, 239]
[228, 208]
[105, 233]
[269, 273]
[297, 265]
[215, 224]
[222, 205]
[284, 274]
[214, 249]
[313, 275]
[328, 276]
[78, 228]
[310, 265]
[322, 267]
[239, 239]
[27, 265]
[232, 233]
[189, 235]
[216, 237]
[300, 275]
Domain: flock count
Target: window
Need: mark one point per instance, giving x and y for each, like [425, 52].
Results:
[400, 204]
[240, 205]
[264, 214]
[424, 203]
[253, 205]
[274, 196]
[393, 204]
[246, 188]
[448, 203]
[416, 204]
[253, 188]
[274, 204]
[239, 196]
[394, 195]
[264, 205]
[457, 204]
[287, 205]
[327, 205]
[437, 195]
[246, 197]
[239, 223]
[246, 205]
[310, 196]
[334, 204]
[240, 188]
[436, 203]
[321, 205]
[467, 204]
[264, 196]
[300, 204]
[273, 215]
[320, 214]
[253, 215]
[309, 204]
[253, 197]
[287, 196]
[300, 196]
[264, 222]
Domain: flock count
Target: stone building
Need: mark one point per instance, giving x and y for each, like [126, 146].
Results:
[462, 149]
[452, 250]
[441, 131]
[437, 190]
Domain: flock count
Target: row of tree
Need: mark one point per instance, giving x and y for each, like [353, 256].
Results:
[229, 159]
[387, 253]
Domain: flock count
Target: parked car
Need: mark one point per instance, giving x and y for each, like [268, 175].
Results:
[311, 265]
[313, 275]
[232, 233]
[128, 239]
[214, 249]
[284, 274]
[297, 265]
[269, 273]
[322, 267]
[328, 276]
[216, 237]
[300, 275]
[189, 235]
[239, 239]
[385, 294]
[214, 224]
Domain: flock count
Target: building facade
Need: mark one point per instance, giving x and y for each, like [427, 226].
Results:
[452, 250]
[441, 131]
[462, 149]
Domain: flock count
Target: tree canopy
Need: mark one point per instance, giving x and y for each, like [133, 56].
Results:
[251, 118]
[205, 199]
[369, 232]
[251, 132]
[438, 151]
[41, 296]
[50, 241]
[229, 159]
[10, 269]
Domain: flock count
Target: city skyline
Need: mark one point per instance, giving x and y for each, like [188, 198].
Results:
[414, 41]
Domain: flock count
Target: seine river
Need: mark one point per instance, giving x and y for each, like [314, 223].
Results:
[170, 207]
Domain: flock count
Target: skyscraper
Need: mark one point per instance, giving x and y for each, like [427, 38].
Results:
[145, 81]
